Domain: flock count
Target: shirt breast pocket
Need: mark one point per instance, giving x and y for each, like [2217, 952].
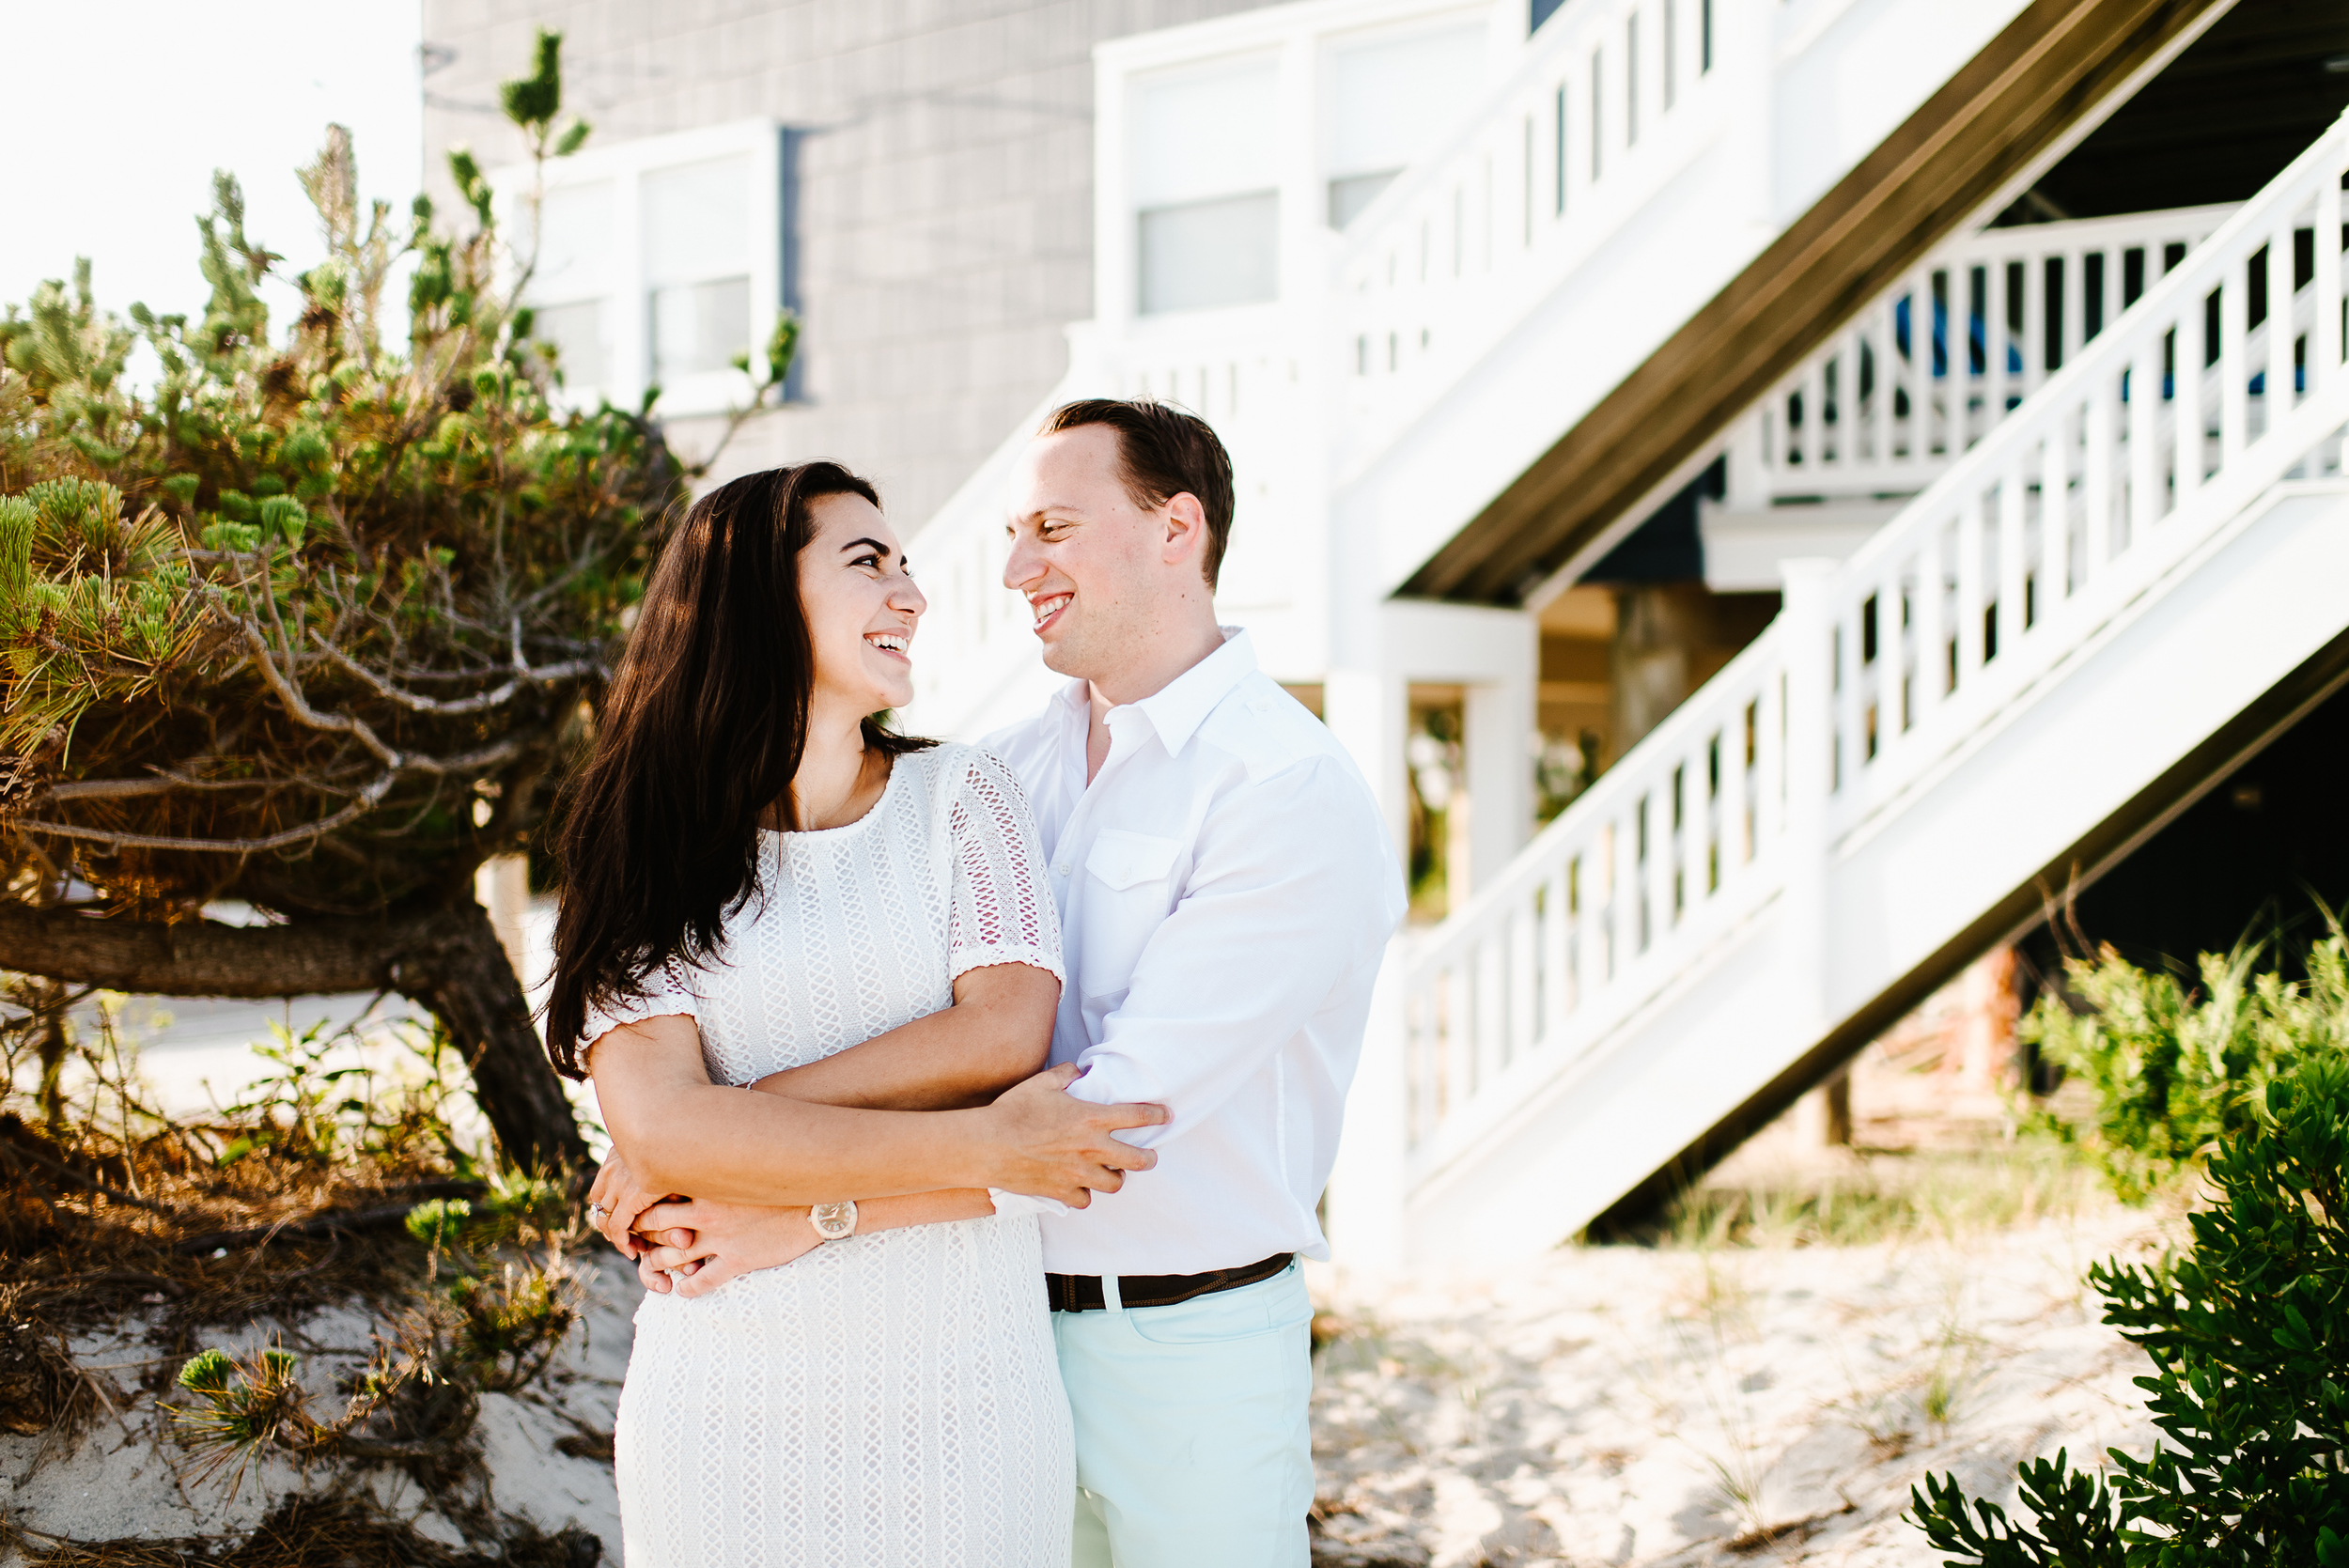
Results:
[1130, 890]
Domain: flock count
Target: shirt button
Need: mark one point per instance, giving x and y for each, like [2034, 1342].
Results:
[1061, 869]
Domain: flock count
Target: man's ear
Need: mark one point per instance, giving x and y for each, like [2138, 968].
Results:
[1186, 529]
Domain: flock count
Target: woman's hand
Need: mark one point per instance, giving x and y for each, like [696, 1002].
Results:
[696, 1244]
[621, 1198]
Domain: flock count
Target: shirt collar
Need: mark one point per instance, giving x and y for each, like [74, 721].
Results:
[1176, 709]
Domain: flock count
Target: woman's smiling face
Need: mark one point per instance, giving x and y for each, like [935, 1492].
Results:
[860, 605]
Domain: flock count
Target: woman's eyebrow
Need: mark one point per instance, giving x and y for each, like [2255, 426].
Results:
[872, 544]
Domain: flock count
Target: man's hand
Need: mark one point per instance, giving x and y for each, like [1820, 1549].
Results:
[622, 1199]
[1052, 1145]
[697, 1246]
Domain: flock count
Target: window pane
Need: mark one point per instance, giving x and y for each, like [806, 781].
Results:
[697, 221]
[581, 351]
[574, 235]
[1348, 196]
[1201, 136]
[1389, 102]
[699, 327]
[1207, 254]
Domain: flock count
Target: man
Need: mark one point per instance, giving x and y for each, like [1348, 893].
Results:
[1226, 888]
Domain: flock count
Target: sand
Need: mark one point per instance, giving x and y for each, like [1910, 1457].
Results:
[1621, 1406]
[128, 1477]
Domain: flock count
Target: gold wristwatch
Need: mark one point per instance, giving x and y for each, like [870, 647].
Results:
[833, 1222]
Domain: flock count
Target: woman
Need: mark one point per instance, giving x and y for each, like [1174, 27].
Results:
[764, 888]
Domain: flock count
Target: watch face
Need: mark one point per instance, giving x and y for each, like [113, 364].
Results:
[833, 1222]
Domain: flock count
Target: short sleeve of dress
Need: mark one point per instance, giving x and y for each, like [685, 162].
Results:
[665, 992]
[1001, 910]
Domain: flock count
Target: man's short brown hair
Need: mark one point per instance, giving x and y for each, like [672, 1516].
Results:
[1163, 452]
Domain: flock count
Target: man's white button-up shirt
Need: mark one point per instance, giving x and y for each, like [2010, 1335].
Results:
[1227, 889]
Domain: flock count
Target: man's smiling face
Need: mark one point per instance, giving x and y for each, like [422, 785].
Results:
[1087, 559]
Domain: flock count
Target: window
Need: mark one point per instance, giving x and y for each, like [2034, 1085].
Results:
[1390, 101]
[1200, 255]
[1208, 206]
[660, 262]
[697, 267]
[570, 276]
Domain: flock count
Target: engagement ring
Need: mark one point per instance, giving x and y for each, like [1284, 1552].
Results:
[596, 1213]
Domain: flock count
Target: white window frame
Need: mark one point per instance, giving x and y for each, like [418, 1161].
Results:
[626, 165]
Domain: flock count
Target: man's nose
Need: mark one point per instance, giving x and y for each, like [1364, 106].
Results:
[1024, 564]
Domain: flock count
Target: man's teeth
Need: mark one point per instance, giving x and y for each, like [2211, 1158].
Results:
[897, 645]
[1047, 607]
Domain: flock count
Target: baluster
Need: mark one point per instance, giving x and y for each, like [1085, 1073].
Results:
[2055, 514]
[2035, 344]
[1623, 891]
[1892, 658]
[1467, 1027]
[1662, 854]
[1524, 980]
[1769, 758]
[2098, 459]
[1556, 956]
[1736, 848]
[1931, 671]
[1808, 443]
[2147, 479]
[1847, 745]
[2325, 336]
[1971, 605]
[1995, 344]
[2234, 392]
[2013, 566]
[2074, 312]
[1494, 951]
[2189, 427]
[2281, 316]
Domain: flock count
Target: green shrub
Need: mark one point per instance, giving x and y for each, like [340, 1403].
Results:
[2175, 1070]
[2250, 1337]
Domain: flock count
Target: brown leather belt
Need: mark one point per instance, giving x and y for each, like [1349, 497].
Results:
[1081, 1293]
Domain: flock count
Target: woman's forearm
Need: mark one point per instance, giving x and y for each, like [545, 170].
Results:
[924, 1065]
[998, 1031]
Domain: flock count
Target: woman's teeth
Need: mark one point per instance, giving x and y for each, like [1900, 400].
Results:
[889, 642]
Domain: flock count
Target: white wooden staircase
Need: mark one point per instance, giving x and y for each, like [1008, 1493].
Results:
[2118, 592]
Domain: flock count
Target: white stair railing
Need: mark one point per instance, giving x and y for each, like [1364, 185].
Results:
[1936, 361]
[1612, 100]
[2021, 556]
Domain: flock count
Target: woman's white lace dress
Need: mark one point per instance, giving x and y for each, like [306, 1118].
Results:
[894, 1398]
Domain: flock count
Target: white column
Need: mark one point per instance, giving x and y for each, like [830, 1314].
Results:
[1499, 768]
[1369, 710]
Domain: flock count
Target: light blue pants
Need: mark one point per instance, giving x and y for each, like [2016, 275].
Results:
[1194, 1447]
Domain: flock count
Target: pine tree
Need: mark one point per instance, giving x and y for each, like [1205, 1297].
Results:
[310, 623]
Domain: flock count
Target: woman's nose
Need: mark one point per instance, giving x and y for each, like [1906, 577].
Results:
[907, 597]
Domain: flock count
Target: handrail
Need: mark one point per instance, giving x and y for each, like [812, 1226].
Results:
[1977, 590]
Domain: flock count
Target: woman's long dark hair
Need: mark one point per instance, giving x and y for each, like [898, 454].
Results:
[701, 732]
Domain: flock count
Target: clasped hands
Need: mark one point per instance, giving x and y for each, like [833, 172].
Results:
[1043, 1141]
